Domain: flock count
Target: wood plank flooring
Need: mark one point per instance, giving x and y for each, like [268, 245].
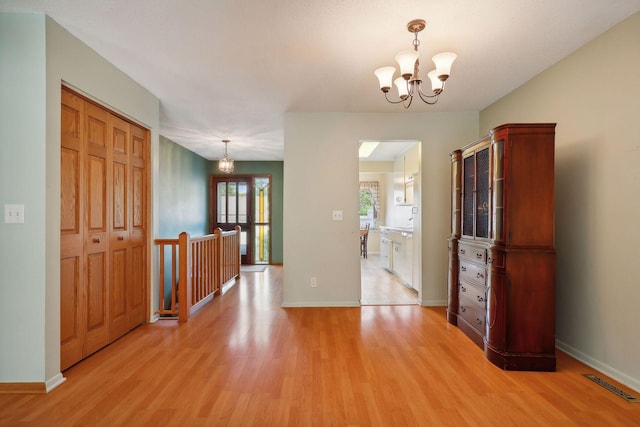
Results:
[379, 287]
[244, 361]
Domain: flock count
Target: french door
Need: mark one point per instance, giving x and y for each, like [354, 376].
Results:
[244, 200]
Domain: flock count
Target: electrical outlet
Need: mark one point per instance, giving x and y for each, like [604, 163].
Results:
[314, 282]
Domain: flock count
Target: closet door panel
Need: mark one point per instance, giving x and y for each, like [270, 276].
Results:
[138, 232]
[96, 243]
[96, 308]
[71, 331]
[119, 249]
[72, 282]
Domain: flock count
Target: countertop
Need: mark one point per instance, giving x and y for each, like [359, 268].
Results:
[397, 229]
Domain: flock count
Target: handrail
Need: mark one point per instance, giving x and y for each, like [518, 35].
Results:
[200, 266]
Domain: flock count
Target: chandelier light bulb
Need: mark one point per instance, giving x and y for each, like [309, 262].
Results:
[385, 76]
[401, 85]
[443, 63]
[407, 62]
[436, 83]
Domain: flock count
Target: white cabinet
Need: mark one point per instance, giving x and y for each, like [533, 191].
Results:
[403, 258]
[396, 253]
[386, 248]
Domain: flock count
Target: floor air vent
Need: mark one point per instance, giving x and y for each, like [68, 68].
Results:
[613, 389]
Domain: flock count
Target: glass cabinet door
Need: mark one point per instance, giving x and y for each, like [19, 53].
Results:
[475, 194]
[468, 189]
[482, 193]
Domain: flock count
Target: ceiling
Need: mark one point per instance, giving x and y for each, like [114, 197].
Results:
[231, 69]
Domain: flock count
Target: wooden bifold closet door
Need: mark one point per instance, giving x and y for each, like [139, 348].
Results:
[103, 226]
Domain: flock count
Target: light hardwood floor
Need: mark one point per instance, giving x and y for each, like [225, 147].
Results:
[245, 361]
[379, 287]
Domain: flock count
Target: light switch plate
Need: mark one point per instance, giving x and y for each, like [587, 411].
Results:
[337, 215]
[14, 214]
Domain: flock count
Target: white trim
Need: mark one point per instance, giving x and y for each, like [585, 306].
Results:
[54, 382]
[610, 371]
[433, 303]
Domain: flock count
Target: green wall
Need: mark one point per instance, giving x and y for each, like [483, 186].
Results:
[23, 181]
[276, 170]
[182, 191]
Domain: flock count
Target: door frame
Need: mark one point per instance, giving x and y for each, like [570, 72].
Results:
[249, 226]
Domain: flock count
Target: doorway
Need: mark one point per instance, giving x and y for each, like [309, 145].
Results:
[243, 200]
[390, 204]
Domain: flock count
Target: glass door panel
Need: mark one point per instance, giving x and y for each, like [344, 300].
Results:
[245, 201]
[482, 193]
[262, 241]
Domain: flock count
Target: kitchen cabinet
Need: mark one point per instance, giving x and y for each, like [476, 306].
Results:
[403, 256]
[396, 250]
[386, 248]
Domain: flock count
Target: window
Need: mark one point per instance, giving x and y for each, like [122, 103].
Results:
[369, 204]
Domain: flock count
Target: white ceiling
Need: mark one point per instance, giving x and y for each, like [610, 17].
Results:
[232, 68]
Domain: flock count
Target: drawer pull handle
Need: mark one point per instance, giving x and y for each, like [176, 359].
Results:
[463, 268]
[480, 276]
[120, 237]
[96, 240]
[463, 289]
[462, 251]
[480, 299]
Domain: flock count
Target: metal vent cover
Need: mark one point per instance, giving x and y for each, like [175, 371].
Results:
[613, 389]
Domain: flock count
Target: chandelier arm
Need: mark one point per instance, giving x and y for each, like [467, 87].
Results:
[425, 98]
[424, 95]
[392, 101]
[410, 98]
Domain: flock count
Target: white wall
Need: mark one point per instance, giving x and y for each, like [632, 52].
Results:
[321, 175]
[593, 96]
[36, 56]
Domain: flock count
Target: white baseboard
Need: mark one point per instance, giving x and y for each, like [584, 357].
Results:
[609, 371]
[433, 303]
[54, 382]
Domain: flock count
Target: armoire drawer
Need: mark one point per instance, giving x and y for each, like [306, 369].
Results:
[473, 294]
[472, 314]
[470, 272]
[476, 253]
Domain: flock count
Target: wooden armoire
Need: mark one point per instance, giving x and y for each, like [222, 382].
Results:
[502, 261]
[104, 180]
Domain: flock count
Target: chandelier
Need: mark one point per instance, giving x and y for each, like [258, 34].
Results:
[225, 164]
[409, 84]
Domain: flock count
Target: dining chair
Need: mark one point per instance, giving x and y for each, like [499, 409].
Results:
[364, 236]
